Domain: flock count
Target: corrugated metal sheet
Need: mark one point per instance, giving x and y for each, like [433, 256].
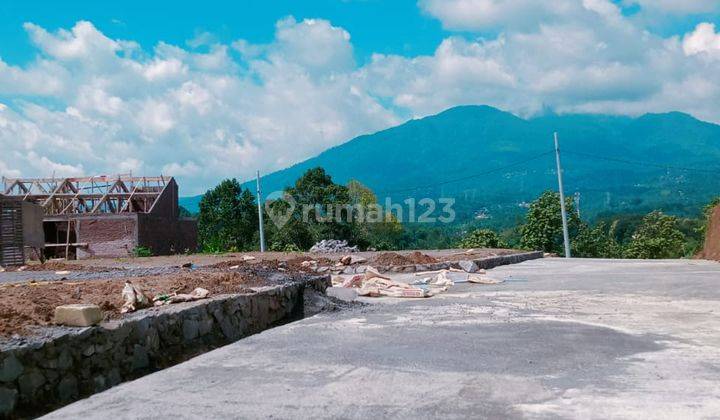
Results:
[11, 232]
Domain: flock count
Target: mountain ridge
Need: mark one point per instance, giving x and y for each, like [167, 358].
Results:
[473, 139]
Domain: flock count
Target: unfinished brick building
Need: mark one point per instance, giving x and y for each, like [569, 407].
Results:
[106, 216]
[21, 230]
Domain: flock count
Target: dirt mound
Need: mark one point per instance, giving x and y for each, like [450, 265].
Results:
[33, 304]
[296, 263]
[394, 259]
[711, 250]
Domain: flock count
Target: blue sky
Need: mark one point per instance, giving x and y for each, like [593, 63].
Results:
[216, 90]
[395, 26]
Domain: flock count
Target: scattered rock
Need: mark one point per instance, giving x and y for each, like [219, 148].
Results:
[78, 315]
[468, 266]
[332, 246]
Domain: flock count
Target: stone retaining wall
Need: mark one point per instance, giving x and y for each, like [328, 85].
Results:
[71, 363]
[483, 263]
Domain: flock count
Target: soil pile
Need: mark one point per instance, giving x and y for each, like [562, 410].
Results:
[395, 259]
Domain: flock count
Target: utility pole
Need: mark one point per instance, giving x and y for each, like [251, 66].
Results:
[260, 214]
[566, 236]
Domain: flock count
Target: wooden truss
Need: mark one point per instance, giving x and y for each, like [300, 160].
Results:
[89, 195]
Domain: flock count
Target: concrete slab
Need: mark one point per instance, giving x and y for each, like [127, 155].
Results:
[560, 338]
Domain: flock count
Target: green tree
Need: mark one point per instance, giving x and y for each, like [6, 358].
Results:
[375, 227]
[542, 230]
[597, 242]
[482, 238]
[657, 237]
[228, 218]
[322, 211]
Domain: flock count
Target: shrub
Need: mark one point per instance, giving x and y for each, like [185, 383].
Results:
[142, 251]
[482, 238]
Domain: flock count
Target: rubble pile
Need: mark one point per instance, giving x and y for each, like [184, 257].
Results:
[332, 246]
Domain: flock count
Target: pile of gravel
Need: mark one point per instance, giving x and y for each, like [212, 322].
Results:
[333, 246]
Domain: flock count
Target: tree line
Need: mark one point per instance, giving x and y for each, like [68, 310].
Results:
[228, 221]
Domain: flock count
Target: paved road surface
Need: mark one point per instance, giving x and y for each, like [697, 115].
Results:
[561, 338]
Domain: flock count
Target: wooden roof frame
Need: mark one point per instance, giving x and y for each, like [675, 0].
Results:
[90, 195]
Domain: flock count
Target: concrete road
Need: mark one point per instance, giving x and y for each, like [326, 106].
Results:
[560, 338]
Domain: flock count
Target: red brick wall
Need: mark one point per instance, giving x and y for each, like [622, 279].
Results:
[107, 236]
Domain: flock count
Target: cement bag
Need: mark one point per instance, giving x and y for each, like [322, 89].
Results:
[134, 298]
[481, 279]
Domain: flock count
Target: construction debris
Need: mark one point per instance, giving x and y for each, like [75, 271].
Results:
[352, 260]
[309, 264]
[134, 298]
[469, 266]
[383, 287]
[333, 246]
[166, 299]
[374, 284]
[483, 279]
[442, 279]
[78, 315]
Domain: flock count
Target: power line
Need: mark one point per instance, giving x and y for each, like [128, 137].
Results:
[498, 169]
[640, 163]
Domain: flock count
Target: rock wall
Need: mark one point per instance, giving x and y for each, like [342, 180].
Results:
[72, 363]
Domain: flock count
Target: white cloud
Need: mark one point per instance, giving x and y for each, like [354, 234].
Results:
[703, 40]
[200, 115]
[84, 41]
[514, 14]
[175, 169]
[95, 105]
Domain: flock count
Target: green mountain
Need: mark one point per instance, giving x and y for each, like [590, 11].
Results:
[493, 162]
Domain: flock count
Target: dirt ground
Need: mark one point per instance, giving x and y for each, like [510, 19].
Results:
[32, 304]
[260, 258]
[31, 301]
